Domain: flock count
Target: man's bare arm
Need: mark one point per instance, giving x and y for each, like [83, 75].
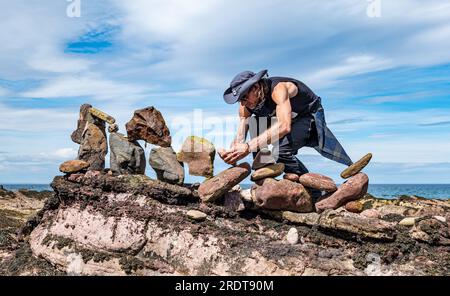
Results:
[280, 96]
[243, 125]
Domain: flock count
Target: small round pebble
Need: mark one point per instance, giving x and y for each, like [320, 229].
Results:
[196, 215]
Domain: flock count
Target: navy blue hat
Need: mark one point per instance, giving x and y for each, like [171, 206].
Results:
[241, 84]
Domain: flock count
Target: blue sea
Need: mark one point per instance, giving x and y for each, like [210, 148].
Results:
[390, 191]
[437, 191]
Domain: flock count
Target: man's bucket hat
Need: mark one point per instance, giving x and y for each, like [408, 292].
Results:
[241, 84]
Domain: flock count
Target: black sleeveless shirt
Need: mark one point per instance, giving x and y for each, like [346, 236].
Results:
[305, 102]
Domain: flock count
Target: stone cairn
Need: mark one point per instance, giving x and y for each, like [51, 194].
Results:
[292, 193]
[119, 221]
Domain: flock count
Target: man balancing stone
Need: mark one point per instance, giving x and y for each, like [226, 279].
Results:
[300, 122]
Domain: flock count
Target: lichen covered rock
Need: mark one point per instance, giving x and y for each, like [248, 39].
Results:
[199, 154]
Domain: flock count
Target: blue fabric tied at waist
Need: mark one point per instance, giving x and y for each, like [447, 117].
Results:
[329, 146]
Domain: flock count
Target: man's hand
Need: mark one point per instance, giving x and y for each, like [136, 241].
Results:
[236, 153]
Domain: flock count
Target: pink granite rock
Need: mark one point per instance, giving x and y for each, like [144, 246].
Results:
[353, 189]
[291, 177]
[283, 195]
[317, 181]
[213, 188]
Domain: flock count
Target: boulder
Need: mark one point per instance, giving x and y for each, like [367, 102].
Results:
[356, 167]
[126, 157]
[73, 166]
[212, 189]
[353, 189]
[199, 154]
[283, 195]
[148, 124]
[94, 146]
[271, 171]
[262, 159]
[164, 161]
[317, 181]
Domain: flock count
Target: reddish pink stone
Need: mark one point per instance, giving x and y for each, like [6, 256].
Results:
[283, 195]
[353, 189]
[317, 181]
[291, 177]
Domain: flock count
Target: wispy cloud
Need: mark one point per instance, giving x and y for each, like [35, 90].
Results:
[89, 85]
[435, 123]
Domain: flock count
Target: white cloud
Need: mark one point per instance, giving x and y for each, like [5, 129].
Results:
[50, 60]
[36, 120]
[351, 66]
[88, 85]
[66, 153]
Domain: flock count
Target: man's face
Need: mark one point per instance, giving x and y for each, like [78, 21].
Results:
[251, 100]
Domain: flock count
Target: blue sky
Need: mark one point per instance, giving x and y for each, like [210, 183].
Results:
[384, 81]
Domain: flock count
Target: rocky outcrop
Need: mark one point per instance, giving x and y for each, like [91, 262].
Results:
[15, 255]
[134, 225]
[149, 125]
[126, 157]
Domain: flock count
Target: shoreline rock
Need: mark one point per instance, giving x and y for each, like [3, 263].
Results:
[145, 231]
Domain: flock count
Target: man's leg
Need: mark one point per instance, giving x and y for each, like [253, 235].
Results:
[287, 148]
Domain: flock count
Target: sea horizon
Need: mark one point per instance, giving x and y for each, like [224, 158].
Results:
[386, 190]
